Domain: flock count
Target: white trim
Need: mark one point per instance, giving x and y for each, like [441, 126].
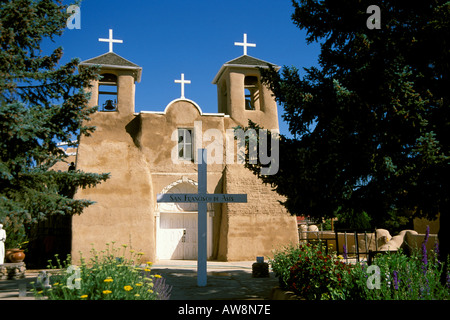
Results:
[158, 211]
[232, 65]
[66, 143]
[208, 114]
[150, 112]
[88, 63]
[219, 114]
[111, 66]
[184, 99]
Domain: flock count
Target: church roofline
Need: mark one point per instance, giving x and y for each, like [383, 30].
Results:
[114, 61]
[244, 61]
[187, 100]
[184, 99]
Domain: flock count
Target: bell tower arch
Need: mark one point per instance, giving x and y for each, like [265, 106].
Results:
[241, 94]
[115, 90]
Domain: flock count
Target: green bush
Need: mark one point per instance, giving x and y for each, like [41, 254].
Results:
[403, 277]
[311, 274]
[282, 262]
[112, 274]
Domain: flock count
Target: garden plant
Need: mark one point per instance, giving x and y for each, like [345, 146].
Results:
[112, 274]
[311, 274]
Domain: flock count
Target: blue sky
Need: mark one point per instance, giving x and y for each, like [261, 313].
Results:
[167, 38]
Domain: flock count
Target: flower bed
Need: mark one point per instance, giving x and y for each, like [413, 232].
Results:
[309, 273]
[108, 275]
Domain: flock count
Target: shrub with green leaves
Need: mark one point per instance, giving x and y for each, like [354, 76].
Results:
[282, 262]
[317, 275]
[112, 274]
[403, 277]
[311, 274]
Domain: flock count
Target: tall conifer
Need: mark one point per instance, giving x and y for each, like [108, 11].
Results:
[42, 104]
[371, 124]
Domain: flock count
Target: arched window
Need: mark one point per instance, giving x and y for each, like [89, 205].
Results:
[251, 89]
[185, 144]
[107, 92]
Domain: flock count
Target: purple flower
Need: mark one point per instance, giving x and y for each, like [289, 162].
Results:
[396, 281]
[436, 251]
[345, 252]
[427, 234]
[163, 289]
[448, 280]
[424, 258]
[424, 250]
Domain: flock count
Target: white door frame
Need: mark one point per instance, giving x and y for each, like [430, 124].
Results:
[184, 185]
[158, 231]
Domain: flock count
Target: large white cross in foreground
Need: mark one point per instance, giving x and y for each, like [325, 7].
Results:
[245, 44]
[183, 82]
[110, 40]
[202, 198]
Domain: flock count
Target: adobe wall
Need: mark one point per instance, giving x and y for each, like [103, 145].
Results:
[257, 227]
[381, 240]
[266, 116]
[123, 212]
[137, 150]
[420, 225]
[180, 114]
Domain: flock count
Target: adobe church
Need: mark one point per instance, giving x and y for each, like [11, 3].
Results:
[155, 152]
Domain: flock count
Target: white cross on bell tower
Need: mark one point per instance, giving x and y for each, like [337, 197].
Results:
[182, 82]
[245, 44]
[110, 40]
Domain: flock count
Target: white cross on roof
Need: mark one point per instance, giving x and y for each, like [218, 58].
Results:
[110, 40]
[182, 81]
[245, 44]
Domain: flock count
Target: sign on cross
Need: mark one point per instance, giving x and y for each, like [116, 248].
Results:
[202, 198]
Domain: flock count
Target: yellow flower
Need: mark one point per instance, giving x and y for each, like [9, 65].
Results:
[157, 276]
[109, 279]
[128, 288]
[150, 290]
[147, 269]
[84, 296]
[137, 295]
[131, 251]
[107, 291]
[140, 253]
[149, 263]
[138, 284]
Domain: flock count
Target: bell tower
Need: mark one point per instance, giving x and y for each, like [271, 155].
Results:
[115, 90]
[241, 94]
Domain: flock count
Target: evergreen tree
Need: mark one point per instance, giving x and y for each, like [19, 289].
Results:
[371, 124]
[41, 104]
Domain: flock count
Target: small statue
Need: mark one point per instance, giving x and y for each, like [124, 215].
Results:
[43, 280]
[2, 244]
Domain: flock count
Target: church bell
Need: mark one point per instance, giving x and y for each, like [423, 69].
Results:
[109, 105]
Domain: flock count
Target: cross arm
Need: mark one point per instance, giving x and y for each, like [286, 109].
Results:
[201, 198]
